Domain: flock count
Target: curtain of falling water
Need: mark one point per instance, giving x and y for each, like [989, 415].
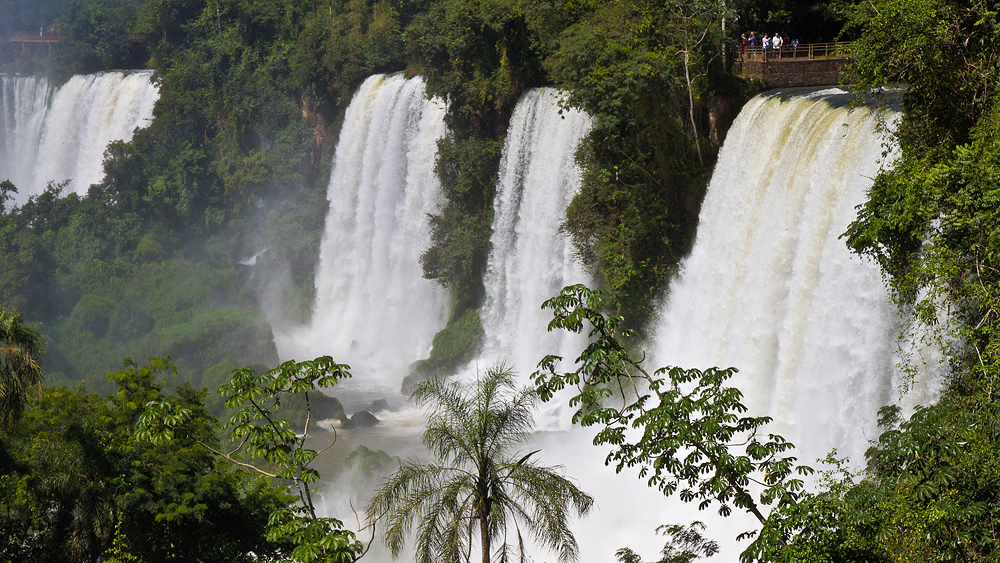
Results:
[770, 286]
[53, 135]
[530, 259]
[373, 309]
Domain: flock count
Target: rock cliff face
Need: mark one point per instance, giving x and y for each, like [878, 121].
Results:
[323, 129]
[722, 111]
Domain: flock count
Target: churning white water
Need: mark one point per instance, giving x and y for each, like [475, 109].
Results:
[374, 310]
[53, 135]
[530, 259]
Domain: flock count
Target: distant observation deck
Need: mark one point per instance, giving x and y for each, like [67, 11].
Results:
[813, 64]
[31, 44]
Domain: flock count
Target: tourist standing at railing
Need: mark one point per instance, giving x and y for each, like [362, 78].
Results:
[743, 44]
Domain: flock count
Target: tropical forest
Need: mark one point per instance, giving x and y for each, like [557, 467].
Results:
[443, 281]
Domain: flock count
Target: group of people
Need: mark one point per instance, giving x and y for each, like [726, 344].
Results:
[768, 42]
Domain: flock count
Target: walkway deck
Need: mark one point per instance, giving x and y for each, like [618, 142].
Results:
[32, 37]
[26, 45]
[815, 64]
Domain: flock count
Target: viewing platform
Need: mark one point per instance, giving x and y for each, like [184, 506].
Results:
[26, 45]
[813, 64]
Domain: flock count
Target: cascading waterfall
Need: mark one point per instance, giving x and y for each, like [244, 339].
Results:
[771, 289]
[373, 309]
[530, 259]
[770, 286]
[54, 135]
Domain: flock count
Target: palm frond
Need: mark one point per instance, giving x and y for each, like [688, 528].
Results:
[473, 432]
[20, 371]
[554, 500]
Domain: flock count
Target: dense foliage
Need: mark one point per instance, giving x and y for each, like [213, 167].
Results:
[21, 348]
[267, 443]
[931, 221]
[74, 472]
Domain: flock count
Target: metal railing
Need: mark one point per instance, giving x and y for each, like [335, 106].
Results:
[802, 52]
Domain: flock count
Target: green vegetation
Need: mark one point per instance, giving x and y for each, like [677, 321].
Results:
[478, 477]
[931, 221]
[267, 444]
[73, 473]
[20, 372]
[684, 545]
[369, 462]
[236, 161]
[453, 348]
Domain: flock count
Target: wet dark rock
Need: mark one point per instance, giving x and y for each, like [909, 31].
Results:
[361, 419]
[325, 407]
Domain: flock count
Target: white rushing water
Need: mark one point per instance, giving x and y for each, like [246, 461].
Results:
[374, 310]
[53, 135]
[771, 288]
[530, 259]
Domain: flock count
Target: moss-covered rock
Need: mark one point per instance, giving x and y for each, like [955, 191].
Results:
[452, 348]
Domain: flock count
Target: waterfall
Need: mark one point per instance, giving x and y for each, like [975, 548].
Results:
[771, 288]
[373, 309]
[530, 259]
[53, 135]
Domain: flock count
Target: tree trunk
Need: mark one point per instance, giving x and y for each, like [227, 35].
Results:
[484, 536]
[690, 89]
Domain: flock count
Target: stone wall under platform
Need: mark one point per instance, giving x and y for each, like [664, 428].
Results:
[792, 72]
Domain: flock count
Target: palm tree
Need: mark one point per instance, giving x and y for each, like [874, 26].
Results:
[20, 346]
[479, 478]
